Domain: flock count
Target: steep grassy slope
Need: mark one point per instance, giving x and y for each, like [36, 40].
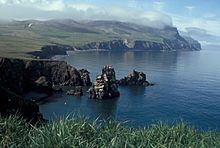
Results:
[79, 132]
[19, 37]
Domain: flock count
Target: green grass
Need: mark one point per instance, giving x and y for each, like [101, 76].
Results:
[80, 132]
[16, 40]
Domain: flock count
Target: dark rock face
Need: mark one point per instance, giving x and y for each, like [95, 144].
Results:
[134, 79]
[11, 104]
[49, 51]
[109, 73]
[22, 76]
[43, 85]
[105, 86]
[85, 77]
[179, 43]
[77, 91]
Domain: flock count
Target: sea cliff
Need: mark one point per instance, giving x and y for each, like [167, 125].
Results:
[20, 76]
[178, 44]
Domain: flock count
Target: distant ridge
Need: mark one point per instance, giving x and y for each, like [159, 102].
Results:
[22, 37]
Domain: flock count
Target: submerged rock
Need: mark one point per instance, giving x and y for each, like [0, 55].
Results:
[77, 91]
[105, 86]
[135, 78]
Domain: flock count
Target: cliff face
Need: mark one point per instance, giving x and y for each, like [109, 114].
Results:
[124, 45]
[123, 37]
[170, 40]
[60, 36]
[177, 44]
[21, 76]
[48, 51]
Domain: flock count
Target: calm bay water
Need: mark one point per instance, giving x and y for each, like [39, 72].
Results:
[187, 88]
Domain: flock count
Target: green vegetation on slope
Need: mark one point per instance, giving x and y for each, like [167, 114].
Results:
[17, 38]
[79, 132]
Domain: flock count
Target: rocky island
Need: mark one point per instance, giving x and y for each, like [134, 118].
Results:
[105, 86]
[20, 76]
[135, 78]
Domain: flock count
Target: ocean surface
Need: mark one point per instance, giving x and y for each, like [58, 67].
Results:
[187, 88]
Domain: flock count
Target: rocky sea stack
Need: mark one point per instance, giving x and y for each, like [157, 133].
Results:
[135, 78]
[105, 86]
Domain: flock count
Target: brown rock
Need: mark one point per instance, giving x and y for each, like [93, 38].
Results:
[135, 78]
[104, 87]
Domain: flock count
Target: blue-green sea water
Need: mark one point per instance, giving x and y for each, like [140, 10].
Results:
[187, 88]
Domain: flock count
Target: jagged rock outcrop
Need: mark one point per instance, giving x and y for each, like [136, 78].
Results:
[77, 91]
[105, 86]
[11, 104]
[22, 76]
[48, 51]
[135, 78]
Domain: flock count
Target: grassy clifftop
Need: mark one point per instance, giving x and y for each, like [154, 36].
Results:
[17, 38]
[79, 132]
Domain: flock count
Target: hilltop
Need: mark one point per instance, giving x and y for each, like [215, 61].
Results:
[18, 38]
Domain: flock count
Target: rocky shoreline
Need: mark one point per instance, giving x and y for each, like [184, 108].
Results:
[178, 44]
[134, 78]
[21, 76]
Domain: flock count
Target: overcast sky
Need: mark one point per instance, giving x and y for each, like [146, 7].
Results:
[203, 14]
